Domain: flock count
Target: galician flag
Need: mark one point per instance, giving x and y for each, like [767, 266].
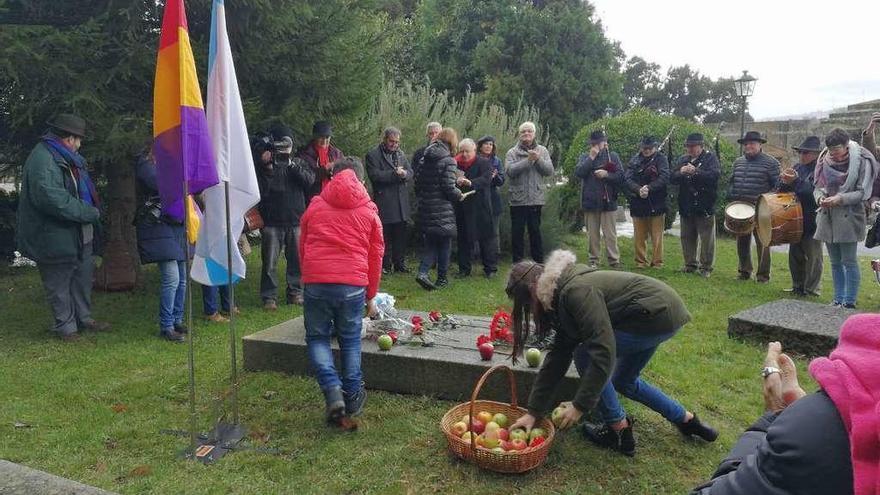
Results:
[235, 165]
[181, 144]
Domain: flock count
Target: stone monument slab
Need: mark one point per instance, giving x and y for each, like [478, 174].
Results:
[16, 479]
[804, 327]
[447, 370]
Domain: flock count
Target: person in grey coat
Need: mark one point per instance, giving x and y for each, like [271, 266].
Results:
[754, 174]
[526, 166]
[390, 174]
[844, 177]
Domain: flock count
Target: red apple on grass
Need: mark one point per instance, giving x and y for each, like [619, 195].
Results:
[486, 351]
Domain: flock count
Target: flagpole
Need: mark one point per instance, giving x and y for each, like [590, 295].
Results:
[234, 372]
[193, 440]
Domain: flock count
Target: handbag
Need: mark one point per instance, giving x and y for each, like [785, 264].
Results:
[253, 220]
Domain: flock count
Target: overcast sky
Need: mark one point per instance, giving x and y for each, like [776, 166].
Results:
[805, 56]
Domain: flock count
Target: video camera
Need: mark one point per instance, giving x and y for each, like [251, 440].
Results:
[281, 148]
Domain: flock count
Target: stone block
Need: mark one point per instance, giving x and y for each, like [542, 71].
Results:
[16, 479]
[803, 327]
[448, 370]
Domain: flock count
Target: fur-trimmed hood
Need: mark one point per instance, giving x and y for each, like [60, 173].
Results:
[558, 261]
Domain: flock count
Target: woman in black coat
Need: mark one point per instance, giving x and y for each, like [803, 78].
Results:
[161, 240]
[435, 192]
[474, 216]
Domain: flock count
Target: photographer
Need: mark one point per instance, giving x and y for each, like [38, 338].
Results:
[284, 181]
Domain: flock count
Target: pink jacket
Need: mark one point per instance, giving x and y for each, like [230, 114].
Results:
[341, 236]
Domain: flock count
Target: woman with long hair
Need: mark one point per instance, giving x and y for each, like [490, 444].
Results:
[610, 323]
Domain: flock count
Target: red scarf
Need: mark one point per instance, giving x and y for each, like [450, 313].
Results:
[323, 153]
[464, 164]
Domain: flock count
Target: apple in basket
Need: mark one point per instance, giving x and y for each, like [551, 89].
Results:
[505, 445]
[536, 441]
[503, 434]
[498, 449]
[484, 416]
[478, 426]
[466, 437]
[537, 432]
[501, 419]
[466, 419]
[490, 439]
[518, 444]
[486, 351]
[492, 426]
[518, 434]
[459, 428]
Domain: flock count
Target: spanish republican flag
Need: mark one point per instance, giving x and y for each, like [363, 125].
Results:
[181, 142]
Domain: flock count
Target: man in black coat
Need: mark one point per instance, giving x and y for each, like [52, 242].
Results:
[601, 173]
[754, 174]
[390, 174]
[646, 178]
[696, 173]
[804, 257]
[284, 184]
[432, 130]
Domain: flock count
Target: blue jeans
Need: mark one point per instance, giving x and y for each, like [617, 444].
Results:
[633, 353]
[328, 310]
[437, 250]
[209, 298]
[844, 271]
[172, 293]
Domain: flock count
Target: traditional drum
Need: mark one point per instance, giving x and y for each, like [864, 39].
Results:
[780, 219]
[739, 218]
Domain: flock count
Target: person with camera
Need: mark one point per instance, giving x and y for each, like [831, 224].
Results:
[390, 174]
[284, 182]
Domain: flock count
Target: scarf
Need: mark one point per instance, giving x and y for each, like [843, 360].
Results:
[833, 181]
[850, 376]
[86, 188]
[463, 164]
[529, 147]
[323, 153]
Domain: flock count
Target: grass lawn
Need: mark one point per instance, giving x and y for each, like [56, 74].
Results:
[95, 409]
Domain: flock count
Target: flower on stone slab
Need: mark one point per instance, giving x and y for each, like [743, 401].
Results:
[482, 339]
[435, 316]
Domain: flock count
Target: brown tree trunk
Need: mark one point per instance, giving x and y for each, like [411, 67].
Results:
[120, 266]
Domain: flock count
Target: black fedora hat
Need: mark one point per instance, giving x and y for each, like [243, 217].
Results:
[322, 129]
[68, 122]
[694, 138]
[751, 136]
[597, 137]
[649, 142]
[811, 143]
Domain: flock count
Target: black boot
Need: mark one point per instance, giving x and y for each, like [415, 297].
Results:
[425, 282]
[441, 282]
[696, 428]
[604, 436]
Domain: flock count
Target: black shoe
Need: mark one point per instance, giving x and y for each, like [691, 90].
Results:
[490, 275]
[354, 406]
[171, 336]
[386, 271]
[849, 306]
[402, 269]
[441, 282]
[425, 282]
[181, 328]
[696, 428]
[744, 276]
[603, 436]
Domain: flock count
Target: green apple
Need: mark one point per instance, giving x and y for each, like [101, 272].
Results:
[556, 417]
[492, 426]
[533, 357]
[537, 432]
[385, 342]
[498, 449]
[518, 433]
[459, 428]
[501, 419]
[491, 441]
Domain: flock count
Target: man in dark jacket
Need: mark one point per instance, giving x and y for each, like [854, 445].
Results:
[601, 173]
[754, 174]
[696, 173]
[804, 257]
[284, 182]
[646, 178]
[432, 130]
[390, 174]
[319, 154]
[57, 218]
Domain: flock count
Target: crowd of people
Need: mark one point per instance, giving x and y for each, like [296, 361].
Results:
[338, 241]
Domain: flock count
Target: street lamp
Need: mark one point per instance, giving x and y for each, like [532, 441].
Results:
[745, 87]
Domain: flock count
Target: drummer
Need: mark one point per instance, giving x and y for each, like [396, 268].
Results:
[804, 257]
[754, 174]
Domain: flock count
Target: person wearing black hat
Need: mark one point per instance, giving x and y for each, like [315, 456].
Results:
[754, 174]
[319, 154]
[391, 175]
[58, 214]
[284, 182]
[804, 257]
[696, 173]
[646, 177]
[601, 174]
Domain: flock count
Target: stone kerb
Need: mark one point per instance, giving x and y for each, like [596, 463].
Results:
[16, 479]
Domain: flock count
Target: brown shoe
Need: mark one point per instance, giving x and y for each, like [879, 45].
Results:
[295, 299]
[69, 337]
[217, 318]
[95, 326]
[270, 305]
[235, 311]
[344, 423]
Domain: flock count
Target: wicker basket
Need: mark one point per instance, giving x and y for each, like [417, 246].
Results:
[502, 462]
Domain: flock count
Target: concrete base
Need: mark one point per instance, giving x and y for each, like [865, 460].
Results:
[448, 370]
[16, 479]
[802, 327]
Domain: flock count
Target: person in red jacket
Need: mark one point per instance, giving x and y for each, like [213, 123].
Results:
[341, 248]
